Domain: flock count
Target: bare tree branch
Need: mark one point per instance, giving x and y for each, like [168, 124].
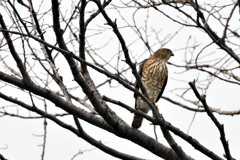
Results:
[77, 132]
[20, 65]
[2, 157]
[214, 119]
[69, 59]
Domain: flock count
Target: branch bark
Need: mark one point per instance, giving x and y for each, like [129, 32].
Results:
[214, 119]
[80, 133]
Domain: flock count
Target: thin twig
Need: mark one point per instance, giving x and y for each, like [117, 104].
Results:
[214, 119]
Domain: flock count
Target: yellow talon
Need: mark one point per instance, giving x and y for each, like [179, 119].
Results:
[156, 107]
[150, 98]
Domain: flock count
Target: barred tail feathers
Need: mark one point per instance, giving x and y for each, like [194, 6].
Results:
[137, 121]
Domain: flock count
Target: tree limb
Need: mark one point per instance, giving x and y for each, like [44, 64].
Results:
[214, 119]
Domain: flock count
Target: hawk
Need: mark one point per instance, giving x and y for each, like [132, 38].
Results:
[154, 75]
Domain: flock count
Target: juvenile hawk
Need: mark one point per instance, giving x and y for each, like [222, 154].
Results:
[154, 74]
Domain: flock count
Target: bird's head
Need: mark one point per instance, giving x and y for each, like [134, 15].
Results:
[163, 54]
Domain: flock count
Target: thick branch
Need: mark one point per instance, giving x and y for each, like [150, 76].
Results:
[111, 118]
[88, 88]
[2, 157]
[59, 102]
[81, 133]
[173, 129]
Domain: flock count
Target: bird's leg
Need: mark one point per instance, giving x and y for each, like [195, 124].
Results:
[150, 97]
[156, 106]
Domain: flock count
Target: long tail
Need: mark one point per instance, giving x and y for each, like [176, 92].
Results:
[137, 121]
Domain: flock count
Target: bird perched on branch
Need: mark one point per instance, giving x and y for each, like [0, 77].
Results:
[154, 75]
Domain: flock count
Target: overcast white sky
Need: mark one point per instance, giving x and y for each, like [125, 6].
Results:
[20, 139]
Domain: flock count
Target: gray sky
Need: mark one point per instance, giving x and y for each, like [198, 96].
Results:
[21, 139]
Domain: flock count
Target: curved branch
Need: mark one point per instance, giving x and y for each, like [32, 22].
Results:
[59, 102]
[82, 134]
[219, 41]
[11, 47]
[124, 47]
[168, 126]
[214, 119]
